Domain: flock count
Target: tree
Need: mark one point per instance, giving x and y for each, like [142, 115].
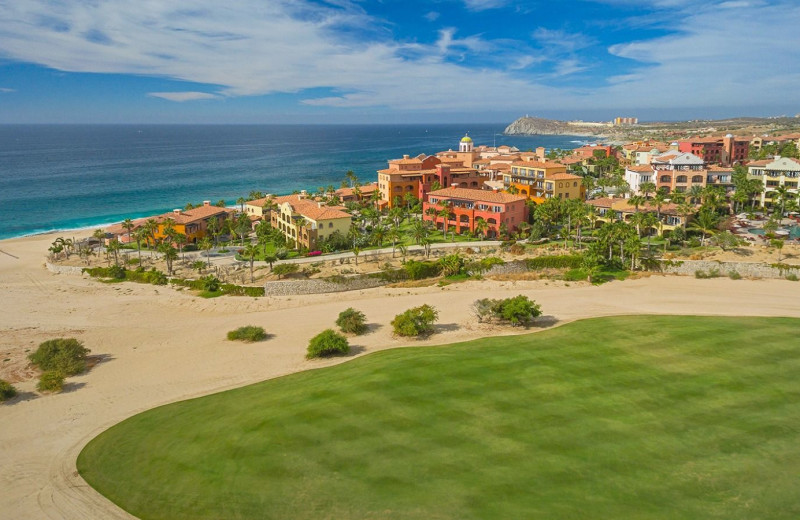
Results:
[647, 188]
[352, 321]
[205, 245]
[284, 269]
[128, 225]
[451, 264]
[416, 321]
[519, 310]
[170, 255]
[777, 244]
[213, 228]
[706, 222]
[250, 251]
[395, 235]
[327, 343]
[241, 201]
[64, 355]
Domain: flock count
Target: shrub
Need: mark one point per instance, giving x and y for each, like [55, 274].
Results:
[416, 321]
[791, 277]
[51, 381]
[210, 283]
[451, 265]
[712, 273]
[65, 355]
[517, 249]
[352, 321]
[417, 270]
[284, 269]
[519, 310]
[7, 390]
[327, 343]
[116, 272]
[554, 262]
[734, 275]
[248, 334]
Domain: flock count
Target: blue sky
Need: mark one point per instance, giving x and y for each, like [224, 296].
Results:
[349, 61]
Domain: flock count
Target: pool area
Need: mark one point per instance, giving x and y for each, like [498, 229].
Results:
[794, 231]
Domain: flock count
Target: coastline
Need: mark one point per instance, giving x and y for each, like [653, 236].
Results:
[158, 345]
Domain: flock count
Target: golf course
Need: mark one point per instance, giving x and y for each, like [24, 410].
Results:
[634, 417]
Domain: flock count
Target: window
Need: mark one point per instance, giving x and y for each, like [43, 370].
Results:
[330, 224]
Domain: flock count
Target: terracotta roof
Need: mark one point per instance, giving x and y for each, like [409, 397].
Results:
[117, 229]
[715, 168]
[643, 168]
[762, 162]
[602, 202]
[538, 164]
[193, 215]
[477, 195]
[311, 208]
[367, 189]
[406, 160]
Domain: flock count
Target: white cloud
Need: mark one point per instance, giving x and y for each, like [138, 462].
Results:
[432, 16]
[182, 96]
[483, 5]
[4, 90]
[562, 40]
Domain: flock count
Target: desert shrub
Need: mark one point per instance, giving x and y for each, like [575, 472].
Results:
[416, 321]
[133, 261]
[189, 248]
[7, 390]
[791, 277]
[517, 249]
[282, 253]
[451, 265]
[198, 265]
[210, 283]
[734, 275]
[694, 242]
[248, 334]
[519, 310]
[284, 269]
[417, 270]
[554, 262]
[65, 355]
[352, 321]
[711, 273]
[327, 343]
[51, 381]
[116, 272]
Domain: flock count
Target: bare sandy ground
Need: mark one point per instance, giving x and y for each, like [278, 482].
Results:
[157, 345]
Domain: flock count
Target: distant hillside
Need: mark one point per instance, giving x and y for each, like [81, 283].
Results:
[541, 126]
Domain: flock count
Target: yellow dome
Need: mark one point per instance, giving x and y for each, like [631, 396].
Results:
[466, 139]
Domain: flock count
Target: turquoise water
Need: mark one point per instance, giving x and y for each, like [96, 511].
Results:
[69, 176]
[794, 231]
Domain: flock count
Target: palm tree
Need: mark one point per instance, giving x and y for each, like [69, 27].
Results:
[250, 251]
[205, 244]
[152, 227]
[379, 234]
[169, 253]
[650, 221]
[647, 188]
[356, 252]
[128, 225]
[777, 244]
[139, 235]
[696, 194]
[395, 235]
[706, 222]
[481, 226]
[659, 199]
[419, 230]
[114, 246]
[240, 201]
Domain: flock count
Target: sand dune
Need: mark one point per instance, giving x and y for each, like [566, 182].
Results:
[156, 345]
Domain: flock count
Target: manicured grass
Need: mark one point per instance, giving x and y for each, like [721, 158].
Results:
[628, 417]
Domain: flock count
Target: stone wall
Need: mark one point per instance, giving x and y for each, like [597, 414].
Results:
[745, 269]
[292, 287]
[63, 269]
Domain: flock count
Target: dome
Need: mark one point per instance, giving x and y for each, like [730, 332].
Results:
[466, 139]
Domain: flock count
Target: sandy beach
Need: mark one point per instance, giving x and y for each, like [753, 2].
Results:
[155, 345]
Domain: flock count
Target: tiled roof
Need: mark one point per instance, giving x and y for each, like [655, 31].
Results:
[477, 195]
[311, 208]
[537, 164]
[643, 168]
[193, 215]
[367, 189]
[563, 177]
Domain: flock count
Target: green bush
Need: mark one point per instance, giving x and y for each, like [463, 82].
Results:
[248, 334]
[117, 272]
[734, 275]
[210, 283]
[51, 381]
[791, 277]
[352, 321]
[554, 262]
[519, 310]
[417, 270]
[416, 321]
[327, 343]
[712, 273]
[284, 269]
[7, 390]
[65, 355]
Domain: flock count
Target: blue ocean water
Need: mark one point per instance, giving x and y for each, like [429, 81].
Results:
[70, 176]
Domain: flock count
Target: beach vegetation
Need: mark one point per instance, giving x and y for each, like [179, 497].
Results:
[248, 334]
[285, 269]
[417, 321]
[7, 390]
[352, 321]
[51, 381]
[327, 343]
[210, 283]
[519, 310]
[65, 355]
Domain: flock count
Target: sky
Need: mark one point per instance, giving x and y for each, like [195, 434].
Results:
[395, 61]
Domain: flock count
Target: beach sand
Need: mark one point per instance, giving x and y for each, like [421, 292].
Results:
[155, 345]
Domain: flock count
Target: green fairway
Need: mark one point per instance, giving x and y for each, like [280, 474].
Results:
[616, 418]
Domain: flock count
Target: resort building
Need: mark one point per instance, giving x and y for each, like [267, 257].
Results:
[306, 222]
[540, 181]
[637, 175]
[620, 209]
[679, 171]
[720, 177]
[775, 173]
[193, 223]
[724, 151]
[468, 207]
[356, 193]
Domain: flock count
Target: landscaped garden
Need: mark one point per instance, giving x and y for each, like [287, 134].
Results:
[626, 417]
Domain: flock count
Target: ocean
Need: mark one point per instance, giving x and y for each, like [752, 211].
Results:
[55, 177]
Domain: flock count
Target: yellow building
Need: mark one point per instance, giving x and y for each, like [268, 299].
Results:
[307, 223]
[542, 180]
[192, 223]
[775, 173]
